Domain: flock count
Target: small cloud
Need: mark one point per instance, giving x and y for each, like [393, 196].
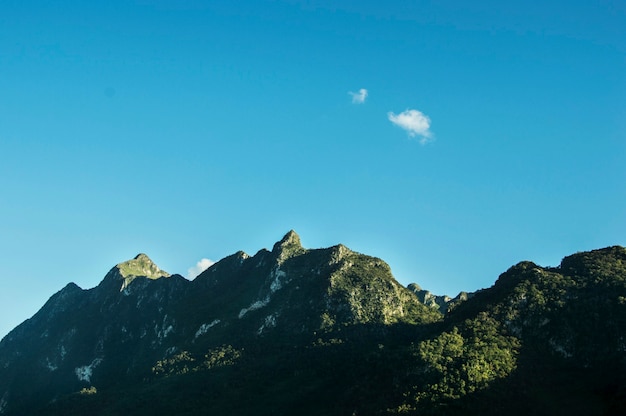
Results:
[414, 122]
[201, 266]
[358, 97]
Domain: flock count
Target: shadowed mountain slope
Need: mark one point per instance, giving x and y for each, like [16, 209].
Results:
[323, 331]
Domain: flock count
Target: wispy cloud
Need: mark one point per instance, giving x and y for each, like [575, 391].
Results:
[358, 97]
[201, 266]
[414, 122]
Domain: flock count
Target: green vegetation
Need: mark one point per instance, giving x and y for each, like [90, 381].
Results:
[327, 331]
[88, 390]
[462, 361]
[141, 266]
[367, 293]
[184, 362]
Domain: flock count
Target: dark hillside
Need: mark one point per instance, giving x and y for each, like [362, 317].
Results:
[325, 331]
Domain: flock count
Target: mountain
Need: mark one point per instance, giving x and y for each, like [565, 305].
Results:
[323, 331]
[440, 302]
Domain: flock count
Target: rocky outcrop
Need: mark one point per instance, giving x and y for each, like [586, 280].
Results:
[442, 303]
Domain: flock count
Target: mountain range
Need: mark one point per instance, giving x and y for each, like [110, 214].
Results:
[323, 332]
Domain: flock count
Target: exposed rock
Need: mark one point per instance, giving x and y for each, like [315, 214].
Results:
[140, 266]
[442, 303]
[288, 246]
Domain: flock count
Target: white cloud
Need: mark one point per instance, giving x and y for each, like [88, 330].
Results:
[201, 266]
[414, 122]
[359, 97]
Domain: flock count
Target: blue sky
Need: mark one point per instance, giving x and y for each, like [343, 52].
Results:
[490, 132]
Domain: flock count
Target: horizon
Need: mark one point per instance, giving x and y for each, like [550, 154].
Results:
[205, 264]
[450, 140]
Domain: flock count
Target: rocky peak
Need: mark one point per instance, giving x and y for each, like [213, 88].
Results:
[290, 239]
[339, 252]
[140, 266]
[289, 246]
[440, 302]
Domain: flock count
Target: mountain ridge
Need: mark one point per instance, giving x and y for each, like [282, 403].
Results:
[311, 319]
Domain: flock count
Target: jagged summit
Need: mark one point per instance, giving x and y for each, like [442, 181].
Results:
[289, 246]
[141, 265]
[291, 239]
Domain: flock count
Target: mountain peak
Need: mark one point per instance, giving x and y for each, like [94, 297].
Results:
[141, 265]
[291, 237]
[288, 246]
